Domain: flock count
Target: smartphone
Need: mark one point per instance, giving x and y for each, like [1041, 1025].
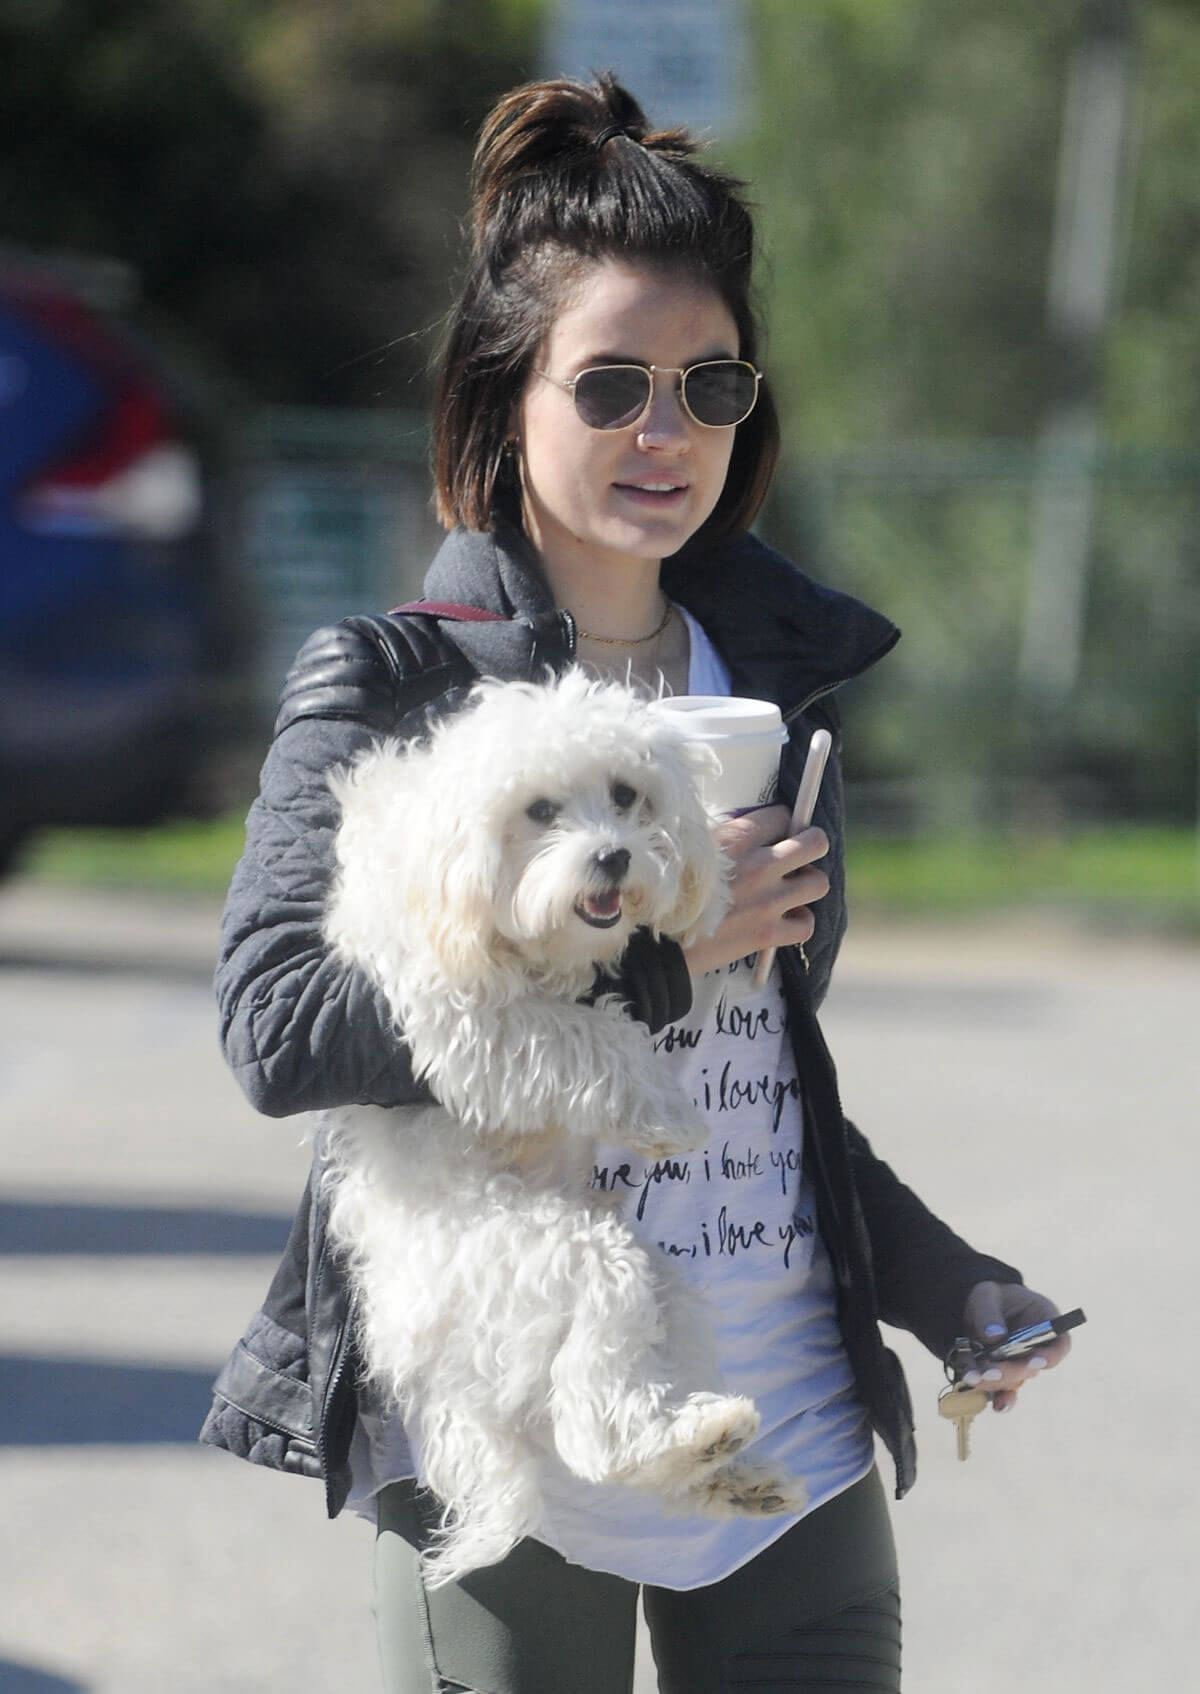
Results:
[802, 816]
[1034, 1335]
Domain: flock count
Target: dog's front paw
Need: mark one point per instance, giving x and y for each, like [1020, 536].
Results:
[666, 1122]
[658, 1142]
[699, 1436]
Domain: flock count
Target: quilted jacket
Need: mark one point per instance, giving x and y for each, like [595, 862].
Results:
[303, 1031]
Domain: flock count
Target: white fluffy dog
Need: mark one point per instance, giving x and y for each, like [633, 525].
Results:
[502, 1307]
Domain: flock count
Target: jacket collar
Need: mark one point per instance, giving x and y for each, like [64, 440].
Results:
[499, 571]
[784, 637]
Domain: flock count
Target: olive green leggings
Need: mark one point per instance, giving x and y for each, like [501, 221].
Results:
[817, 1612]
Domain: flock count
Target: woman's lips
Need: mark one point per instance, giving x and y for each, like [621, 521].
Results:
[652, 496]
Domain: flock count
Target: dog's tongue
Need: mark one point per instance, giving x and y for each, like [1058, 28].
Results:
[602, 905]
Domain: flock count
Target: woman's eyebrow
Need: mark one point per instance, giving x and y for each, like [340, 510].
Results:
[612, 358]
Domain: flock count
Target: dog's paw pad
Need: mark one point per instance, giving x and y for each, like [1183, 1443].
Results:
[750, 1493]
[744, 1490]
[660, 1143]
[707, 1430]
[725, 1446]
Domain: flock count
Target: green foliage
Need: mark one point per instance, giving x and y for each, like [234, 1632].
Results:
[1138, 876]
[285, 175]
[1154, 354]
[904, 161]
[183, 858]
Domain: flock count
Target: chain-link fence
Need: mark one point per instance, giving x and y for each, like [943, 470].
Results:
[336, 519]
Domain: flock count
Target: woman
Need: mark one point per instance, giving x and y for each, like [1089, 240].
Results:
[603, 438]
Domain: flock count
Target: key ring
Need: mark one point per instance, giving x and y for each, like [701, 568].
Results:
[963, 1356]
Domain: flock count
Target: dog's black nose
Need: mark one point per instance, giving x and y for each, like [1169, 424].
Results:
[614, 863]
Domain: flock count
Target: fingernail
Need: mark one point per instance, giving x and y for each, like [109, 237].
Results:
[1004, 1406]
[994, 1329]
[971, 1378]
[993, 1376]
[1036, 1364]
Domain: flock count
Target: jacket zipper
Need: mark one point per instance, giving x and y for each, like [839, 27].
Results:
[818, 694]
[880, 652]
[340, 1351]
[829, 687]
[835, 1210]
[569, 632]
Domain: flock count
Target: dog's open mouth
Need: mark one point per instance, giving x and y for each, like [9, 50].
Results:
[602, 911]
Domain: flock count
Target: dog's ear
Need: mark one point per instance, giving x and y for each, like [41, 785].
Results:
[380, 799]
[455, 894]
[703, 870]
[417, 868]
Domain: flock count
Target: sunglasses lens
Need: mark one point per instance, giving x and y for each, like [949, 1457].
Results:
[721, 392]
[611, 396]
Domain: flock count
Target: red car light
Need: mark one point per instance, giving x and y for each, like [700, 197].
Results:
[129, 475]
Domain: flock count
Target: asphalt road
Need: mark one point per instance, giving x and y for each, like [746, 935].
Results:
[1038, 1088]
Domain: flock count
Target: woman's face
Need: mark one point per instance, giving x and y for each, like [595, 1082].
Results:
[636, 493]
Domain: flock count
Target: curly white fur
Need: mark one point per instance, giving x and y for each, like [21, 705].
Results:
[501, 1305]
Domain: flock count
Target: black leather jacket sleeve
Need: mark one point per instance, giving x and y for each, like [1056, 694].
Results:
[300, 1029]
[923, 1270]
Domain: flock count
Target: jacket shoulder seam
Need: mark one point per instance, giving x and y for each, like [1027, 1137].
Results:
[357, 669]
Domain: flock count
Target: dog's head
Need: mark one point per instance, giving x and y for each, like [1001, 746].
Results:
[538, 827]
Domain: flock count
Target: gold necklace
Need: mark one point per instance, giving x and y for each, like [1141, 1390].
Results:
[627, 640]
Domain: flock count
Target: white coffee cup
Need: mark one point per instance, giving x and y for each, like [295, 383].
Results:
[747, 737]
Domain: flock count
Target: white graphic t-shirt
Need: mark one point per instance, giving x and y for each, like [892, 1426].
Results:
[737, 1217]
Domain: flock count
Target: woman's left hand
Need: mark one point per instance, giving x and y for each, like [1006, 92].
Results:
[995, 1309]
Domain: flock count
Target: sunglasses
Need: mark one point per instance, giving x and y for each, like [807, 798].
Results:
[716, 394]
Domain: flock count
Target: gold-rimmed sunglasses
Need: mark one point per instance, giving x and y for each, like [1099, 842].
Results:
[716, 394]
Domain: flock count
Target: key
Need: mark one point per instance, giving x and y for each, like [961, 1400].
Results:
[962, 1405]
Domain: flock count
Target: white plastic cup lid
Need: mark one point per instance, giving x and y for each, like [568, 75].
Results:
[722, 717]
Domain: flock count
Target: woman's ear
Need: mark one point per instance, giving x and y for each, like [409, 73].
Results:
[512, 428]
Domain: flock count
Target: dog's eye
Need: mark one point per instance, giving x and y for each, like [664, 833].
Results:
[623, 796]
[542, 811]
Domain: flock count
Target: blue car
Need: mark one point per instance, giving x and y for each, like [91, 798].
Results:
[116, 613]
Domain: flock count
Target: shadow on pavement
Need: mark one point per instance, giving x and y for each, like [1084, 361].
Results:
[190, 973]
[26, 1679]
[62, 1228]
[47, 1402]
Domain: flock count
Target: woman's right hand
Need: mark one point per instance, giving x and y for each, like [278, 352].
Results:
[774, 883]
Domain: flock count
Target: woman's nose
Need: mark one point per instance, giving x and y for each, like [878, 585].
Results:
[665, 425]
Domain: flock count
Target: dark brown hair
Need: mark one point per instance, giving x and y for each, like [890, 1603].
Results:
[565, 174]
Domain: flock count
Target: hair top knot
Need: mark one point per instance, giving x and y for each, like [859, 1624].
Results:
[610, 134]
